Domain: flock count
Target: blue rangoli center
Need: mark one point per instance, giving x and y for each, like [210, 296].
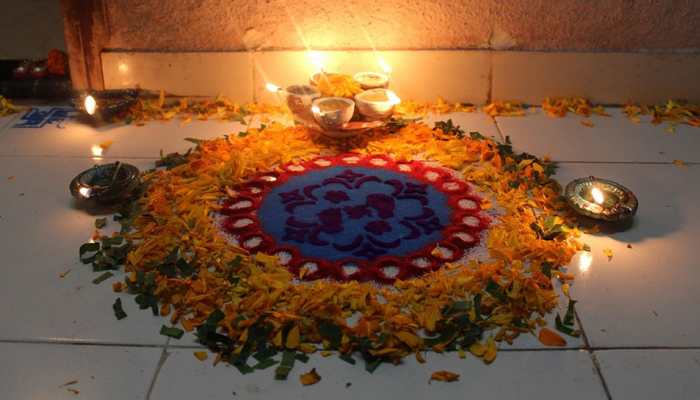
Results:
[354, 212]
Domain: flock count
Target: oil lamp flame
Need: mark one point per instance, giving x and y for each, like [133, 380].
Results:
[385, 67]
[585, 260]
[597, 195]
[97, 150]
[393, 98]
[317, 60]
[85, 192]
[90, 104]
[315, 110]
[271, 87]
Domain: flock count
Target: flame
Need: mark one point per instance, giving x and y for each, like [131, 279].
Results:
[271, 87]
[97, 150]
[393, 98]
[385, 67]
[85, 192]
[585, 261]
[90, 104]
[315, 110]
[597, 195]
[317, 59]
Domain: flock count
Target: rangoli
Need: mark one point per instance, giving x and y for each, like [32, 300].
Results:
[356, 217]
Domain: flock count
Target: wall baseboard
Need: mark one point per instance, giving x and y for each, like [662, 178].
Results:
[473, 76]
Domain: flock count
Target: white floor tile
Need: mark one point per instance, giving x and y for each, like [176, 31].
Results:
[612, 139]
[642, 296]
[41, 230]
[651, 374]
[43, 371]
[75, 139]
[528, 375]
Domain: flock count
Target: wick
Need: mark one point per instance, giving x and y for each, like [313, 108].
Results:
[116, 172]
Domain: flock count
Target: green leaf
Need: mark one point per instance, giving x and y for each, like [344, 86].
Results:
[372, 363]
[100, 223]
[448, 127]
[186, 269]
[495, 291]
[88, 252]
[457, 307]
[171, 331]
[302, 357]
[243, 368]
[331, 332]
[195, 140]
[477, 306]
[102, 278]
[118, 310]
[569, 317]
[264, 364]
[264, 354]
[243, 134]
[546, 268]
[286, 365]
[347, 358]
[569, 330]
[476, 136]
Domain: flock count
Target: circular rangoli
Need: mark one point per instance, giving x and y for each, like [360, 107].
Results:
[356, 217]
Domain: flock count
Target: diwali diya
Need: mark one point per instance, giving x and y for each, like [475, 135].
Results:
[332, 113]
[105, 105]
[601, 199]
[371, 80]
[376, 104]
[299, 99]
[105, 184]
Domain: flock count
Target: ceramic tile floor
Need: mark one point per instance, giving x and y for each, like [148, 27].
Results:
[638, 310]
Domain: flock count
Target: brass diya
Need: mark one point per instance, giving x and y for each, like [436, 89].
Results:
[601, 199]
[105, 184]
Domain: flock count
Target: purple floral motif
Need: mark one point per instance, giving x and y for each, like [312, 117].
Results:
[358, 214]
[378, 227]
[331, 220]
[336, 196]
[383, 204]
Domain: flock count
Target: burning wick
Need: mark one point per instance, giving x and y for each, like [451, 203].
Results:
[85, 192]
[316, 110]
[97, 150]
[317, 60]
[585, 260]
[271, 87]
[597, 195]
[90, 105]
[393, 98]
[385, 67]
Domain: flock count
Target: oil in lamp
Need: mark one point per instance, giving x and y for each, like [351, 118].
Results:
[601, 199]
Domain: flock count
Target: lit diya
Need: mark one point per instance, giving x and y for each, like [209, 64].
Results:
[371, 80]
[376, 104]
[299, 99]
[332, 113]
[105, 184]
[107, 104]
[601, 199]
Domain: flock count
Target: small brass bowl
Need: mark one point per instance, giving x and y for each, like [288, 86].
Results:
[106, 183]
[617, 204]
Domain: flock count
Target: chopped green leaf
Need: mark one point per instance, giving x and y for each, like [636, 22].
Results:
[286, 365]
[331, 332]
[347, 358]
[546, 269]
[118, 310]
[102, 278]
[88, 252]
[171, 331]
[569, 317]
[569, 330]
[266, 363]
[496, 291]
[100, 223]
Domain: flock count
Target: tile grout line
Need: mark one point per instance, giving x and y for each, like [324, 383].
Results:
[81, 343]
[161, 361]
[594, 359]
